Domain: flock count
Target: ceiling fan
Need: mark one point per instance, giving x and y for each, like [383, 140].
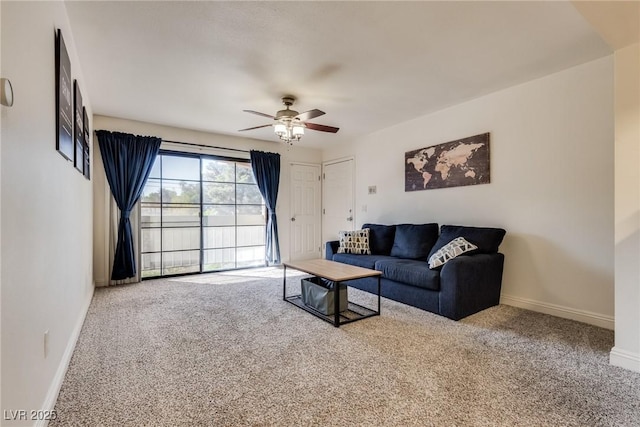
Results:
[289, 125]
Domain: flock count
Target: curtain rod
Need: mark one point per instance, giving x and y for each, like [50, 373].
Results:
[205, 146]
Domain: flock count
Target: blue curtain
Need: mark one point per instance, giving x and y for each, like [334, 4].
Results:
[128, 160]
[266, 170]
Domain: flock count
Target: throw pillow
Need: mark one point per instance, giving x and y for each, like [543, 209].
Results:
[486, 239]
[380, 238]
[354, 242]
[449, 251]
[414, 241]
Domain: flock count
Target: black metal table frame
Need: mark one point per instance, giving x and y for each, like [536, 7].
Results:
[335, 319]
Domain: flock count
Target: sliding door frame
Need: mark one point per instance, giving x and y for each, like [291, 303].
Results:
[201, 206]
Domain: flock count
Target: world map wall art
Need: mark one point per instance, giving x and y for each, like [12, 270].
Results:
[451, 164]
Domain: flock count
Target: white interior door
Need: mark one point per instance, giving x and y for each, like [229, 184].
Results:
[337, 198]
[305, 212]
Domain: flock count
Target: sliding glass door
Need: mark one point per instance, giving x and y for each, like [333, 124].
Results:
[199, 214]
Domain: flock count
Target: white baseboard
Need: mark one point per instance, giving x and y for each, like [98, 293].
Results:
[52, 395]
[559, 311]
[625, 359]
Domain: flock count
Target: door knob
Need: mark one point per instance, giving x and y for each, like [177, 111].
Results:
[293, 218]
[350, 218]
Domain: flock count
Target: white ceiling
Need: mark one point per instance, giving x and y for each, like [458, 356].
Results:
[368, 65]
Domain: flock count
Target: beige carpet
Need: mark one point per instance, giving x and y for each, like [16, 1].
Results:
[225, 350]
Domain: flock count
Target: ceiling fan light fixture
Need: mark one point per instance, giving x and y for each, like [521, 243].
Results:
[289, 132]
[298, 131]
[280, 130]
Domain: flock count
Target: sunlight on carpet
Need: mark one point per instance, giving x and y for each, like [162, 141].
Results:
[238, 276]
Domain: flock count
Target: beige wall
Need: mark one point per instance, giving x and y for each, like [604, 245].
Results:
[294, 154]
[551, 186]
[2, 114]
[618, 23]
[626, 352]
[46, 218]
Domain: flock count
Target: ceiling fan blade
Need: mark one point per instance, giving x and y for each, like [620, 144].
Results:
[308, 115]
[259, 113]
[322, 128]
[255, 127]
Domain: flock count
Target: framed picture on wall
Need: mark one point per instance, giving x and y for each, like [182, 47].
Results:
[86, 142]
[64, 116]
[78, 129]
[451, 164]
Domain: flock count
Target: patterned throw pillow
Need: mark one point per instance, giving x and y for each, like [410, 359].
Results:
[354, 242]
[449, 251]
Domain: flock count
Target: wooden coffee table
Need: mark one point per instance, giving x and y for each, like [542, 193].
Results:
[336, 272]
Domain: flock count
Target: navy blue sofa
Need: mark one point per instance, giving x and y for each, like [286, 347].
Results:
[463, 286]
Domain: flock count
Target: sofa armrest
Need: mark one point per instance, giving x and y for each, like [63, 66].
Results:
[469, 284]
[331, 248]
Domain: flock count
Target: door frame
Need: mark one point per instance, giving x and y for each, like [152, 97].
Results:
[200, 156]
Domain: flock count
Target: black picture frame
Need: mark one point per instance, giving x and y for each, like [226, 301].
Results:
[86, 141]
[64, 113]
[78, 129]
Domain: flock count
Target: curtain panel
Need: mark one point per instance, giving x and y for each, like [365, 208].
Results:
[266, 170]
[127, 160]
[114, 215]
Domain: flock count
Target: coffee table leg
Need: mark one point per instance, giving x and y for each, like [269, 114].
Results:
[336, 300]
[284, 285]
[378, 294]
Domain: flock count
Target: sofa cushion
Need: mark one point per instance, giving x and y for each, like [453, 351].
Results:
[380, 238]
[412, 272]
[354, 242]
[365, 261]
[486, 239]
[414, 241]
[454, 248]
